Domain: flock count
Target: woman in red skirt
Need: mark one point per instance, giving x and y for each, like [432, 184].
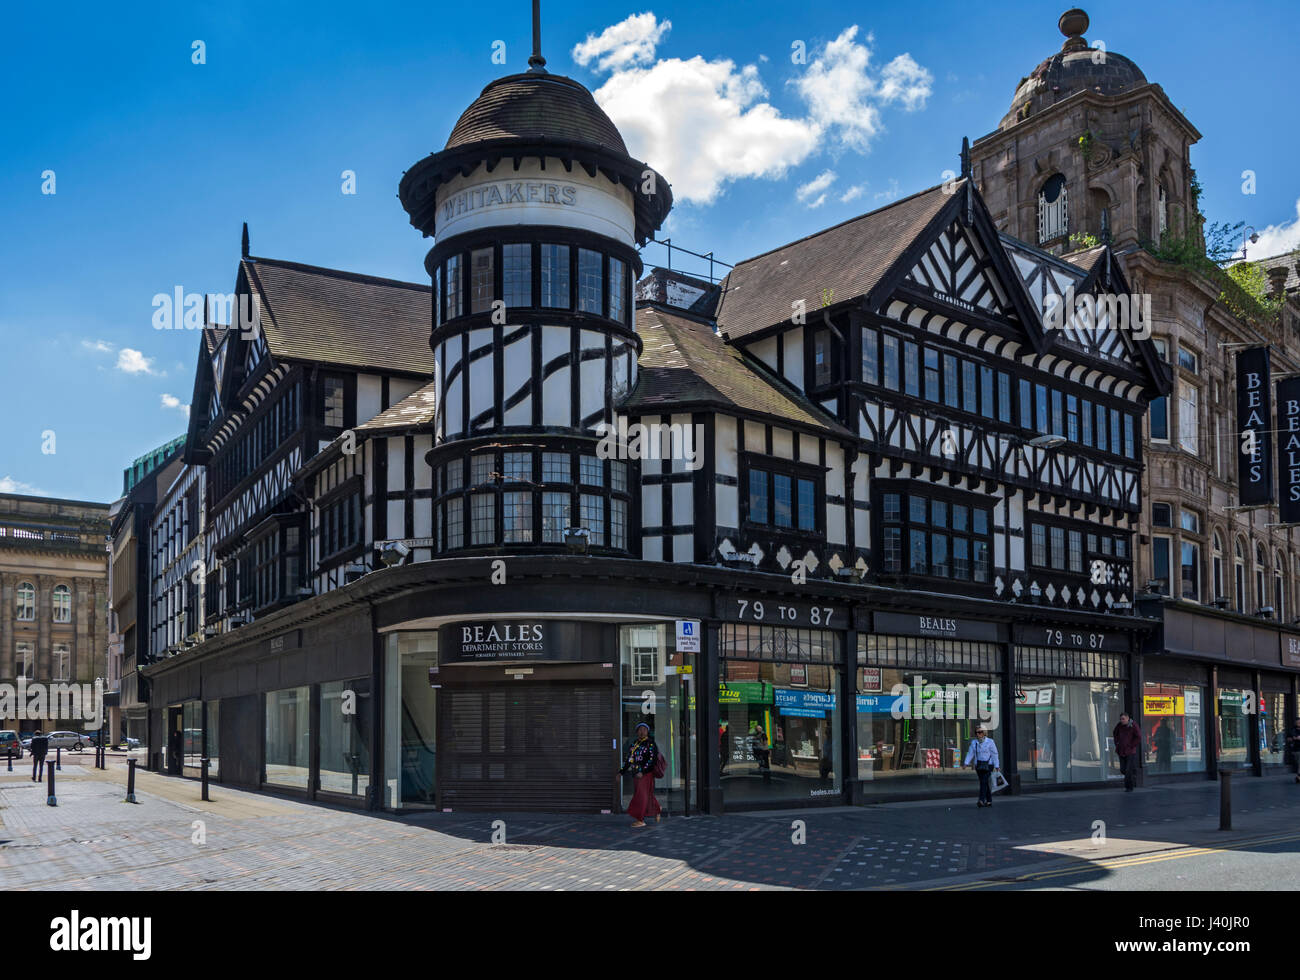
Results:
[641, 758]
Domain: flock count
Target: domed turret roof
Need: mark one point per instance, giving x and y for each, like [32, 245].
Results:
[535, 106]
[1075, 68]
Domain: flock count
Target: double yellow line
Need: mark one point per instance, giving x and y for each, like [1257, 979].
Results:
[1110, 864]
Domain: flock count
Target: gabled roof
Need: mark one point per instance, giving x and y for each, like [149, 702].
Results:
[684, 364]
[845, 261]
[328, 316]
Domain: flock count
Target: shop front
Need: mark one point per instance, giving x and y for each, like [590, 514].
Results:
[1072, 684]
[1175, 702]
[924, 683]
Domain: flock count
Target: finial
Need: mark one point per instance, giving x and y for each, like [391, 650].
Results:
[1072, 24]
[535, 61]
[965, 157]
[243, 245]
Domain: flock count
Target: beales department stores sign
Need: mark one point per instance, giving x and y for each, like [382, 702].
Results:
[489, 641]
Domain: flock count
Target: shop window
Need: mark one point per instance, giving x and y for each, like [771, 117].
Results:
[1236, 713]
[1063, 727]
[517, 275]
[288, 755]
[1175, 727]
[410, 734]
[212, 738]
[663, 700]
[346, 714]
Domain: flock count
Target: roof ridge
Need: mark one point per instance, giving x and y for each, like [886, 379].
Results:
[846, 221]
[338, 273]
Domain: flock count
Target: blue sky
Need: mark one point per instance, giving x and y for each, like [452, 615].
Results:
[158, 160]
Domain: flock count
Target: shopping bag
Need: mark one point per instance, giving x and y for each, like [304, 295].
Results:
[999, 781]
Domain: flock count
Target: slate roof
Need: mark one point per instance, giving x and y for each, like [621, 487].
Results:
[535, 106]
[324, 315]
[1289, 261]
[417, 408]
[849, 259]
[683, 362]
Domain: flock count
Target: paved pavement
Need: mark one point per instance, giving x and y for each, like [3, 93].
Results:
[1095, 839]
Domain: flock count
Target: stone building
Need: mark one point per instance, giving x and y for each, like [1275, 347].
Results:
[1092, 152]
[53, 586]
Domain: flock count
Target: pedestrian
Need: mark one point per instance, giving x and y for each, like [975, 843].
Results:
[39, 746]
[984, 754]
[758, 746]
[1128, 743]
[1164, 739]
[1293, 746]
[722, 748]
[643, 760]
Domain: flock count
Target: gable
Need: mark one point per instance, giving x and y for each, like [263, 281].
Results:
[956, 265]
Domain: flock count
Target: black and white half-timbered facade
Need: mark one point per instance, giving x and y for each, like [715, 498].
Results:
[814, 523]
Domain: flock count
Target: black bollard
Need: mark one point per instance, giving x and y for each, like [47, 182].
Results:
[205, 761]
[130, 780]
[58, 759]
[52, 800]
[11, 760]
[1225, 799]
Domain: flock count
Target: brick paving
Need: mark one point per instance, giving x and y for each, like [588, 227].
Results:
[247, 841]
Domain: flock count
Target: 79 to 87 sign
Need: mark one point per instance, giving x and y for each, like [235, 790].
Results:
[777, 613]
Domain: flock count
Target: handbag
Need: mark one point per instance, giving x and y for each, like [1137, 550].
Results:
[661, 764]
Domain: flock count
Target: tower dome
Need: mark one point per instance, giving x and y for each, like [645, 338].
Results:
[1075, 68]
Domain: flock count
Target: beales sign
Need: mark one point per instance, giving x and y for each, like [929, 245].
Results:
[501, 641]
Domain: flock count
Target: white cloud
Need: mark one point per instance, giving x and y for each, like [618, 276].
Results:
[98, 346]
[703, 124]
[131, 361]
[629, 42]
[853, 193]
[1278, 239]
[9, 485]
[844, 98]
[171, 401]
[816, 186]
[890, 194]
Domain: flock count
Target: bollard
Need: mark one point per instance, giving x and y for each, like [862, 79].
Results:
[1225, 799]
[205, 761]
[58, 759]
[11, 760]
[130, 780]
[52, 800]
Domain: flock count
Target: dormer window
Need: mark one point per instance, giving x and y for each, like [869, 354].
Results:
[1053, 215]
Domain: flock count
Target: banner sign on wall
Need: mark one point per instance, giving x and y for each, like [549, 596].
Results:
[1254, 420]
[1288, 450]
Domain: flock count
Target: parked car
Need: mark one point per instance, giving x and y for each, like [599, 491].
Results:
[67, 740]
[91, 737]
[10, 742]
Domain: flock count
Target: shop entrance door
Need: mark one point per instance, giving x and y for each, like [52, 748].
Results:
[175, 739]
[526, 745]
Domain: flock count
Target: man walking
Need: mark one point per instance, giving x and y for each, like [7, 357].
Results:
[1128, 745]
[984, 753]
[40, 745]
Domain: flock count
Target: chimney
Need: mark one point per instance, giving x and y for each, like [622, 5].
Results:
[1277, 279]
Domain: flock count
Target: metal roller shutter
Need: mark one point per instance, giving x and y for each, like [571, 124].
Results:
[526, 745]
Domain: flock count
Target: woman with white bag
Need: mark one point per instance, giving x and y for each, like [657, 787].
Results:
[984, 754]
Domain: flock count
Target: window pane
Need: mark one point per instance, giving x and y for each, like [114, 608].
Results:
[1004, 397]
[959, 517]
[1076, 551]
[480, 469]
[480, 280]
[1085, 416]
[911, 369]
[950, 380]
[1058, 548]
[939, 554]
[781, 500]
[891, 507]
[519, 467]
[890, 346]
[518, 515]
[590, 471]
[969, 390]
[517, 274]
[593, 517]
[1101, 427]
[870, 356]
[986, 392]
[555, 516]
[981, 561]
[961, 558]
[807, 510]
[1191, 571]
[555, 276]
[758, 496]
[590, 285]
[618, 290]
[916, 552]
[1038, 537]
[938, 513]
[555, 467]
[892, 557]
[1026, 405]
[617, 523]
[931, 374]
[618, 476]
[453, 287]
[483, 518]
[1040, 404]
[916, 509]
[981, 519]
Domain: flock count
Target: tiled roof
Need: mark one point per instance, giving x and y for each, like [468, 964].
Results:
[417, 408]
[535, 106]
[847, 260]
[324, 315]
[683, 362]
